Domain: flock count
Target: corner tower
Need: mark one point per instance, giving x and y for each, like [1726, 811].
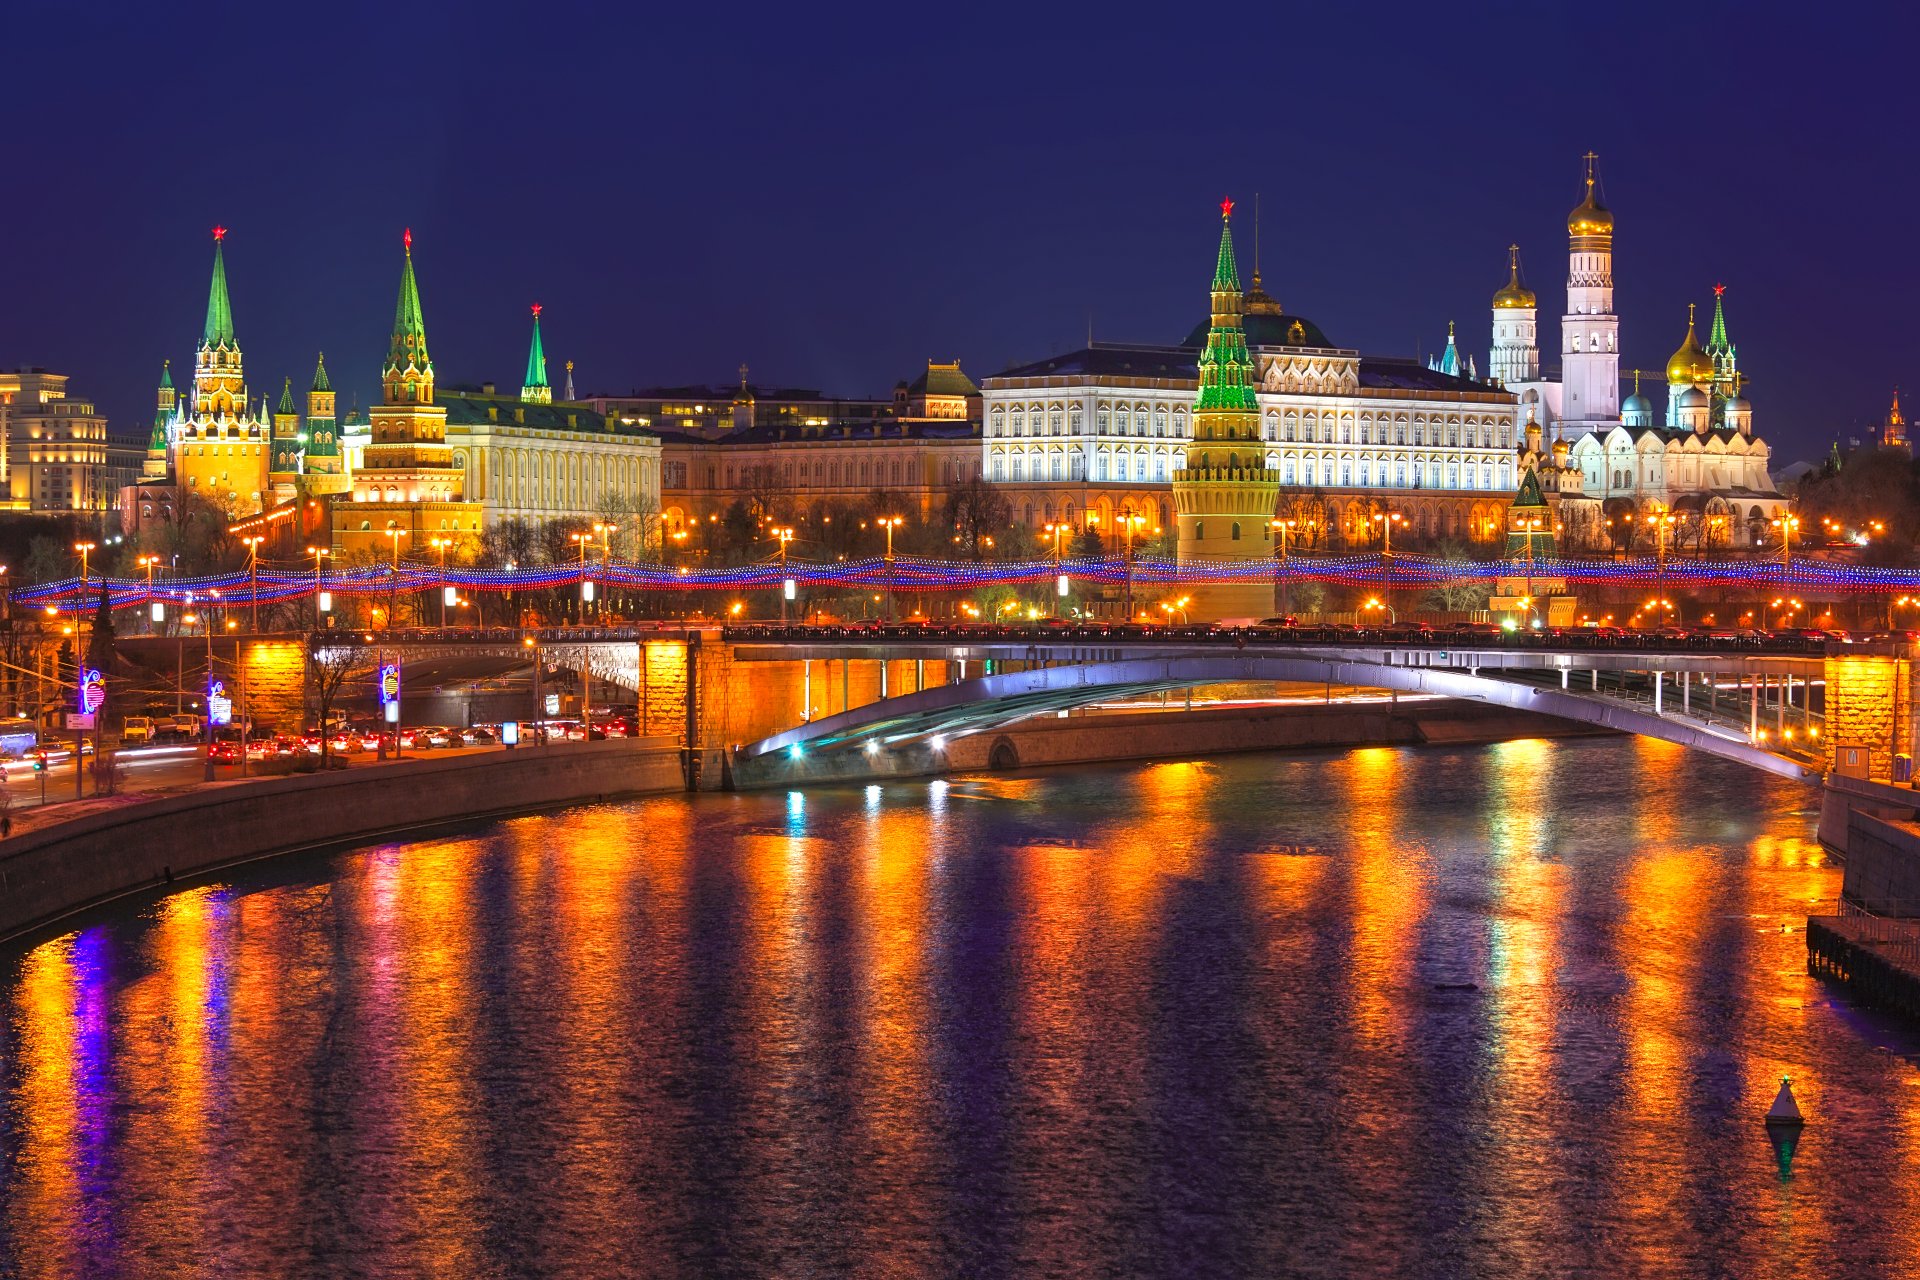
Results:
[1590, 331]
[1224, 496]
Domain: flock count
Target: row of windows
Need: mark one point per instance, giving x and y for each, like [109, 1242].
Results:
[1311, 427]
[219, 451]
[1473, 433]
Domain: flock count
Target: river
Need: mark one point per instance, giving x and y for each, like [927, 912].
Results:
[1508, 1010]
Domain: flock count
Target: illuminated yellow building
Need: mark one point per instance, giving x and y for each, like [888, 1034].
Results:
[220, 451]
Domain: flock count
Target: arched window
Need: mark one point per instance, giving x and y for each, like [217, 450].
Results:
[1199, 530]
[1236, 531]
[1160, 421]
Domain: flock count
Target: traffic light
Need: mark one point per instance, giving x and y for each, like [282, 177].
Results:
[39, 762]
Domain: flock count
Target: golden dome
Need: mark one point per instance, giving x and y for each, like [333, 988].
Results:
[1591, 218]
[1514, 294]
[1690, 365]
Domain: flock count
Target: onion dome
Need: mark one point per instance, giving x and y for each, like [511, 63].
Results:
[1693, 398]
[1690, 366]
[1514, 294]
[1637, 403]
[1591, 218]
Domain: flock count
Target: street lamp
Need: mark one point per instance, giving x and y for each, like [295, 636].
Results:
[147, 563]
[253, 576]
[1375, 605]
[1057, 531]
[890, 523]
[319, 592]
[1786, 525]
[83, 548]
[1282, 530]
[440, 545]
[785, 535]
[393, 582]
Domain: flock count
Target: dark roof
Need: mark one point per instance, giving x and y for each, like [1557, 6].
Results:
[1267, 330]
[943, 380]
[1398, 374]
[472, 410]
[1114, 360]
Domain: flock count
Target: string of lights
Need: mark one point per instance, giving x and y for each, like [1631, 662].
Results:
[1805, 575]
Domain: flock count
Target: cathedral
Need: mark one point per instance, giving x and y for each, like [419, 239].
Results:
[1612, 463]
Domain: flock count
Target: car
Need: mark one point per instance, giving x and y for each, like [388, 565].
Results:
[136, 729]
[477, 736]
[225, 751]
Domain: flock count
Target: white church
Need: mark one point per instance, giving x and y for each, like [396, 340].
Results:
[1700, 461]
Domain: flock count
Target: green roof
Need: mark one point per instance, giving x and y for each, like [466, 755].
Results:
[1529, 494]
[1226, 370]
[1717, 339]
[166, 375]
[536, 355]
[320, 382]
[219, 330]
[465, 408]
[409, 345]
[286, 398]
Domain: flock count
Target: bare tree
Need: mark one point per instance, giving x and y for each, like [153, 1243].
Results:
[328, 670]
[977, 511]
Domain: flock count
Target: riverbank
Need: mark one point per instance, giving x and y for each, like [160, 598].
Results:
[137, 844]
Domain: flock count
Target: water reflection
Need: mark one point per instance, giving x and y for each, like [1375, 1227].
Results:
[1512, 1010]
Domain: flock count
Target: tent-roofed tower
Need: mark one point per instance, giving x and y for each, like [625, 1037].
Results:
[409, 487]
[1725, 357]
[1224, 496]
[160, 441]
[535, 388]
[1515, 356]
[283, 471]
[221, 448]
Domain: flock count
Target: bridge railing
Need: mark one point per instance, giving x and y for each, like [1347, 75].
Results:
[1894, 930]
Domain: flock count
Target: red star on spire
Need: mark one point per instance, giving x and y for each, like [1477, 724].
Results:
[407, 239]
[1226, 208]
[1719, 289]
[219, 234]
[536, 311]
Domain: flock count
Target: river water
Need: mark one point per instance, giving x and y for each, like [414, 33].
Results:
[1509, 1010]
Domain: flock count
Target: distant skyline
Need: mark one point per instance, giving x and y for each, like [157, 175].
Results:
[833, 202]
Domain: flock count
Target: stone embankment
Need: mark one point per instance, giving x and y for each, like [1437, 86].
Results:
[58, 869]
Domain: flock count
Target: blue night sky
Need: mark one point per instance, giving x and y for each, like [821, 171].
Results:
[834, 198]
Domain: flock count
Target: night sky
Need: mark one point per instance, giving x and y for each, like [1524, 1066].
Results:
[834, 198]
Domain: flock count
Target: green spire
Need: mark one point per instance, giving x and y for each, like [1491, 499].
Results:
[536, 362]
[409, 346]
[320, 382]
[219, 330]
[1226, 273]
[166, 375]
[286, 398]
[1717, 338]
[1226, 370]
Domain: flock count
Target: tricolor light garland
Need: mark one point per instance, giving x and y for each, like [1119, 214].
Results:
[905, 573]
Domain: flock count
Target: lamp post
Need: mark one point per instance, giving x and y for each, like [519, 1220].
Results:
[147, 563]
[1057, 531]
[1786, 524]
[1282, 529]
[393, 581]
[784, 535]
[253, 576]
[83, 548]
[319, 587]
[1386, 520]
[890, 523]
[440, 545]
[207, 689]
[606, 532]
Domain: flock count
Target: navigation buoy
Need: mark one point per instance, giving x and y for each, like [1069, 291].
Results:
[1784, 1123]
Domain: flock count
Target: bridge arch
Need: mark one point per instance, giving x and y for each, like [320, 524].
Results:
[988, 703]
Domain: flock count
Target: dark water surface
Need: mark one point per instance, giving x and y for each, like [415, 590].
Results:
[1174, 1019]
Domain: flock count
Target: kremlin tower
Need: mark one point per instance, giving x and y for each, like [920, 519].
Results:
[1224, 497]
[166, 410]
[321, 463]
[408, 484]
[221, 450]
[535, 388]
[283, 470]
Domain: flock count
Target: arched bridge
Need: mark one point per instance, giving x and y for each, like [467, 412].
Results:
[1655, 694]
